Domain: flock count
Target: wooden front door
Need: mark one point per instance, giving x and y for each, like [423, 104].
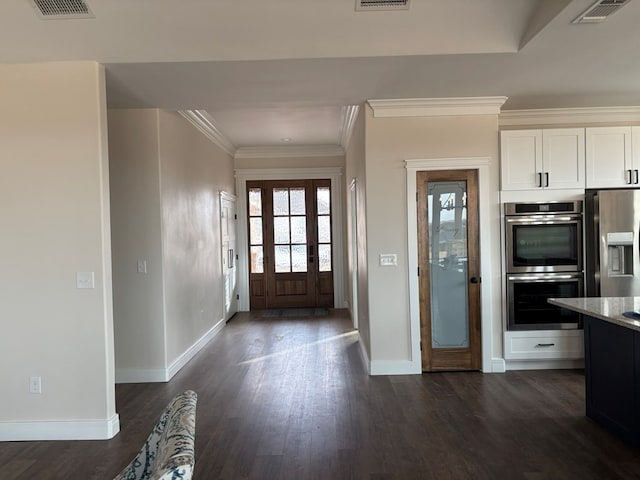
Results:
[449, 268]
[290, 244]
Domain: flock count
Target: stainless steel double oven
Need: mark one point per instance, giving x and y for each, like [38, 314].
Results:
[543, 260]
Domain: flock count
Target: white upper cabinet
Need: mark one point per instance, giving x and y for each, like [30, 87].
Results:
[613, 155]
[635, 152]
[563, 157]
[542, 159]
[520, 159]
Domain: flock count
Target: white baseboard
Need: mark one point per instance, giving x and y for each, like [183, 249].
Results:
[402, 367]
[68, 430]
[364, 355]
[498, 365]
[544, 364]
[141, 375]
[159, 375]
[191, 352]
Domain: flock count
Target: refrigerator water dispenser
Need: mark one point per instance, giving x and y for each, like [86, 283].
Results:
[620, 253]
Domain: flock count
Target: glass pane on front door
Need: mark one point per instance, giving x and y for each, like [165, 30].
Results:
[289, 230]
[447, 217]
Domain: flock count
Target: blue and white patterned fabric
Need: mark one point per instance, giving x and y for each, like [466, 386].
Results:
[169, 452]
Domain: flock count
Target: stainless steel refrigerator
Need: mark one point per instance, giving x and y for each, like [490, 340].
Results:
[612, 230]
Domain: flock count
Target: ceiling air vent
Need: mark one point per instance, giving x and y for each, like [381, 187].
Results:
[58, 9]
[600, 10]
[368, 5]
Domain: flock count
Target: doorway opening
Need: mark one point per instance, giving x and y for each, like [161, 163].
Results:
[290, 243]
[490, 246]
[449, 265]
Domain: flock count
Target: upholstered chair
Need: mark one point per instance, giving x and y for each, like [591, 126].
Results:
[169, 452]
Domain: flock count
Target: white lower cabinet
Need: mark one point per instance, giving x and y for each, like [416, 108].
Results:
[544, 345]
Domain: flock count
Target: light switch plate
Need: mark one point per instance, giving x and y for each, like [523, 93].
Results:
[142, 266]
[388, 260]
[85, 280]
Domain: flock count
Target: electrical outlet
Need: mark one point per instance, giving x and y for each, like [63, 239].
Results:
[35, 384]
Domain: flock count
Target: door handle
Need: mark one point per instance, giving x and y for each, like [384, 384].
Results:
[475, 280]
[546, 179]
[539, 179]
[630, 181]
[636, 173]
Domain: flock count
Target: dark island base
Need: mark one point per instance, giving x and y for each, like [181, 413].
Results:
[612, 376]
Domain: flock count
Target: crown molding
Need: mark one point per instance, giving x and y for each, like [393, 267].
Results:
[562, 116]
[287, 173]
[431, 107]
[349, 116]
[290, 151]
[205, 123]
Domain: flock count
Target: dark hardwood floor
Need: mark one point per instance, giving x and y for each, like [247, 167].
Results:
[289, 399]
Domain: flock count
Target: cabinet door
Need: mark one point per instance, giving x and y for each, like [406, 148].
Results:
[608, 157]
[563, 158]
[635, 153]
[543, 345]
[521, 159]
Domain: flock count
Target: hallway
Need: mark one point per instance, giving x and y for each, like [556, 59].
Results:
[288, 398]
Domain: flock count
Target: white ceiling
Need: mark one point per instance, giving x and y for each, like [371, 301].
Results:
[265, 70]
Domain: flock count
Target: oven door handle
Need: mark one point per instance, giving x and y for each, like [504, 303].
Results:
[544, 278]
[543, 219]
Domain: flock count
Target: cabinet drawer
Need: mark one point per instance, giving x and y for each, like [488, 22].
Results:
[544, 345]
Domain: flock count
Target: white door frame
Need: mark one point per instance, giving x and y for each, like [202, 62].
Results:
[226, 256]
[480, 164]
[337, 192]
[353, 248]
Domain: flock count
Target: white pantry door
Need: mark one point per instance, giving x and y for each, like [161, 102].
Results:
[229, 253]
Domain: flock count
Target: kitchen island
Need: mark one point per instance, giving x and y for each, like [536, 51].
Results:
[612, 361]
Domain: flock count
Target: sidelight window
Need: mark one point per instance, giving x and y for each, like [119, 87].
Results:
[323, 200]
[255, 230]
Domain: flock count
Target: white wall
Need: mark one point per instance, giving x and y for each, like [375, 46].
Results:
[166, 179]
[355, 169]
[193, 171]
[138, 310]
[389, 142]
[290, 162]
[54, 212]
